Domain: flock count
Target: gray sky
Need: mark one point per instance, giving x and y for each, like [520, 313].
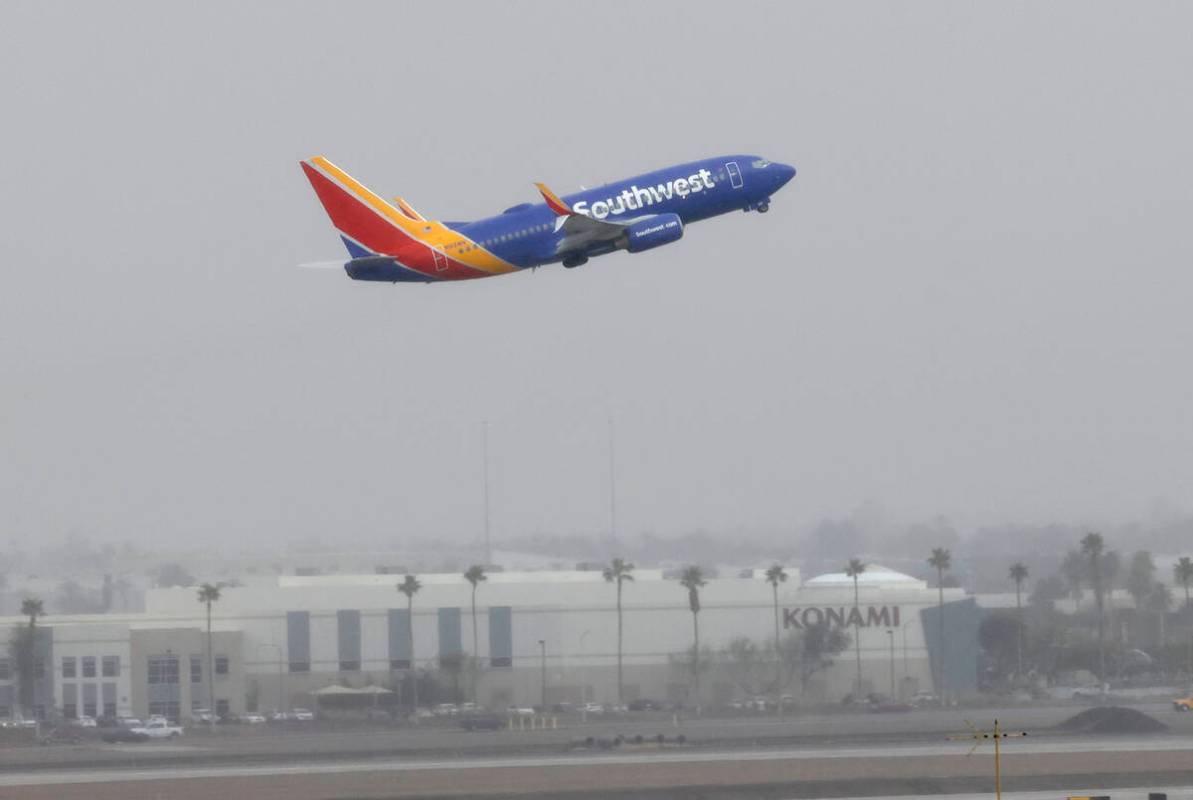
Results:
[973, 300]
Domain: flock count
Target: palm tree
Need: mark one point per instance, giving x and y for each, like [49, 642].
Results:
[1092, 547]
[1158, 600]
[774, 576]
[208, 594]
[854, 569]
[692, 579]
[1018, 573]
[25, 650]
[475, 575]
[941, 559]
[1183, 572]
[619, 571]
[409, 587]
[32, 608]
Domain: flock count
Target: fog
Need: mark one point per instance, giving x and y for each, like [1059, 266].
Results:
[971, 304]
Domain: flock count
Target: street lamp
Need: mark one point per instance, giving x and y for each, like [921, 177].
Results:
[891, 636]
[543, 656]
[905, 624]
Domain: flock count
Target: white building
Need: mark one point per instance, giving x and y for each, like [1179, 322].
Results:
[281, 639]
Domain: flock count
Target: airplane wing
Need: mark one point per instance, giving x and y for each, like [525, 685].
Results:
[580, 230]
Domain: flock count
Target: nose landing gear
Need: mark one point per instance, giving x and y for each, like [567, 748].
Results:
[762, 206]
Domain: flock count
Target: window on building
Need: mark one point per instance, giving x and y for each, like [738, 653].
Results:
[109, 710]
[196, 669]
[221, 665]
[70, 711]
[88, 666]
[162, 669]
[5, 669]
[399, 663]
[39, 668]
[68, 666]
[111, 666]
[221, 707]
[5, 711]
[300, 666]
[89, 709]
[349, 666]
[39, 711]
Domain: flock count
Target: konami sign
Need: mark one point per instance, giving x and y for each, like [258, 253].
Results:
[842, 617]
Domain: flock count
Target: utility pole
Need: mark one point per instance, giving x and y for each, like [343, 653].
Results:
[891, 636]
[543, 657]
[612, 482]
[485, 448]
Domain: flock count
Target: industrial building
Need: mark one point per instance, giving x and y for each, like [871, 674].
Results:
[278, 640]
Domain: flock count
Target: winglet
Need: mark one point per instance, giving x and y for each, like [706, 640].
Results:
[553, 202]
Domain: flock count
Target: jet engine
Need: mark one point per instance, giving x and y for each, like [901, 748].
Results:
[657, 230]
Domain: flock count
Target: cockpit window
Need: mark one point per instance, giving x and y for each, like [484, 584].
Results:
[762, 162]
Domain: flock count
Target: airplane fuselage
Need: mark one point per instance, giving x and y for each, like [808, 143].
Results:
[533, 234]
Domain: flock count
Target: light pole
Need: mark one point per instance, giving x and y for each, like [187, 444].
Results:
[891, 636]
[485, 464]
[905, 624]
[583, 679]
[543, 656]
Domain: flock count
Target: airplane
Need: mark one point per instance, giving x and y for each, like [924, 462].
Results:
[392, 242]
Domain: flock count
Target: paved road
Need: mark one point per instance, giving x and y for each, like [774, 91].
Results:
[262, 743]
[610, 773]
[1182, 746]
[1128, 793]
[266, 743]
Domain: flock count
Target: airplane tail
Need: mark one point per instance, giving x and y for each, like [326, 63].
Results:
[368, 224]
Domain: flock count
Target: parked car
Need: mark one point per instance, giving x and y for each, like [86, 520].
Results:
[521, 711]
[159, 729]
[278, 716]
[563, 708]
[302, 715]
[445, 710]
[128, 722]
[201, 716]
[252, 718]
[1092, 691]
[61, 736]
[479, 721]
[125, 735]
[594, 708]
[85, 722]
[645, 704]
[1183, 703]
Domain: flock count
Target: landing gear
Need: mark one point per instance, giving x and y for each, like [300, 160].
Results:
[763, 208]
[572, 262]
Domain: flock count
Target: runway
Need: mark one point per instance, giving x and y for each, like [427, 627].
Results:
[612, 773]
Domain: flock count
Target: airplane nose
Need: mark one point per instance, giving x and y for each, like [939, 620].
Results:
[783, 174]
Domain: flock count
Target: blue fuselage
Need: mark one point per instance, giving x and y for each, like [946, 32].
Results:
[527, 235]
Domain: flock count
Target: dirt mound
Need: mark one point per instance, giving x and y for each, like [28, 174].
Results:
[1112, 719]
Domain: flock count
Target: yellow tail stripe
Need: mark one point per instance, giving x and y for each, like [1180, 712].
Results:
[454, 245]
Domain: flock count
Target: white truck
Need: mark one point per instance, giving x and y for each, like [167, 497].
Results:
[159, 729]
